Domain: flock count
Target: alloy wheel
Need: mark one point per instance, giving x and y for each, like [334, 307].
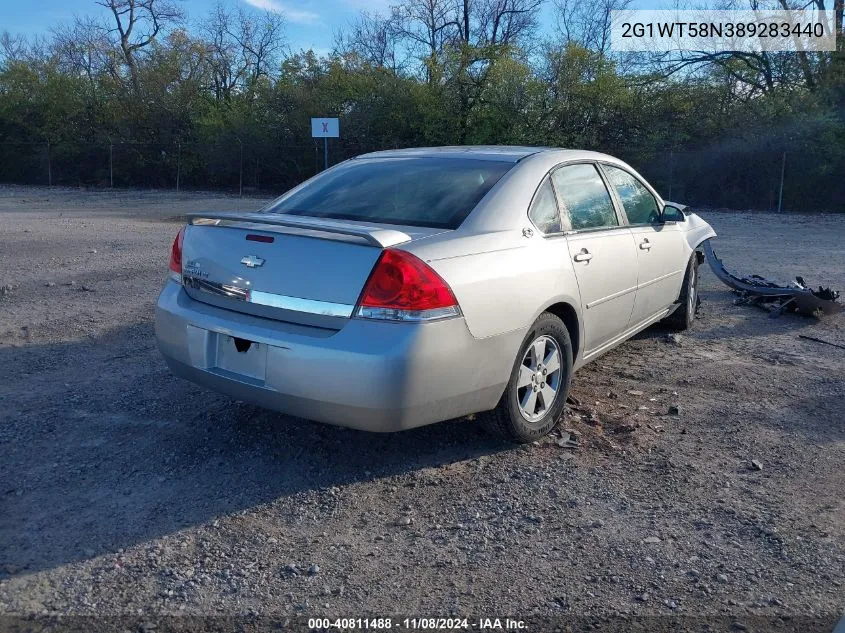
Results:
[539, 378]
[692, 291]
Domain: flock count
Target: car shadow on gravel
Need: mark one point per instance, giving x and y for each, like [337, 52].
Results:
[744, 321]
[102, 449]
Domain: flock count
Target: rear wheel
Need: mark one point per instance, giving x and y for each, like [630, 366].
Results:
[536, 393]
[684, 315]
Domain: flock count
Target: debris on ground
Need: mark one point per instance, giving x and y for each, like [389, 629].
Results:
[626, 428]
[819, 340]
[674, 338]
[756, 465]
[592, 418]
[569, 440]
[759, 291]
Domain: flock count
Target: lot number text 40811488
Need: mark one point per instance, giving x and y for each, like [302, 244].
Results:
[416, 624]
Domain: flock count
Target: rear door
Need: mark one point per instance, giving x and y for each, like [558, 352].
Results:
[602, 251]
[659, 246]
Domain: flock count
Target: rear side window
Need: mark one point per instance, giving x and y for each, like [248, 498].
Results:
[419, 191]
[640, 206]
[544, 213]
[587, 201]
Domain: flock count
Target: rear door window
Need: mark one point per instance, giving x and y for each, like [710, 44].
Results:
[584, 196]
[544, 212]
[418, 191]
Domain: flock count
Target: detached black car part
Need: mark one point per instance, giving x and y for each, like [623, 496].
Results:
[757, 290]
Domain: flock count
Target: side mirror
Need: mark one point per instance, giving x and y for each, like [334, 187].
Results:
[672, 213]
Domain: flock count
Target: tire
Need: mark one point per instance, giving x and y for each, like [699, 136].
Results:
[682, 318]
[512, 419]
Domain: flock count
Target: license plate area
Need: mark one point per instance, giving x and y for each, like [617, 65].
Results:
[242, 357]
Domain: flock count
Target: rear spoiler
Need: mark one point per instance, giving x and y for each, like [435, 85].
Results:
[382, 238]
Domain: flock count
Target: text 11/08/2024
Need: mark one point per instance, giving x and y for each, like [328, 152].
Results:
[417, 624]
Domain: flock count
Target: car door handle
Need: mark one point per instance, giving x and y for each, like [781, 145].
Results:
[645, 245]
[583, 256]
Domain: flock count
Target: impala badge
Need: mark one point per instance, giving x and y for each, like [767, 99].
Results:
[251, 261]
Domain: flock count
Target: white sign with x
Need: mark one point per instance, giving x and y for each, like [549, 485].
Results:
[325, 128]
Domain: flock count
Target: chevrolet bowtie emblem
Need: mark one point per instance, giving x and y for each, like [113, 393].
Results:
[251, 261]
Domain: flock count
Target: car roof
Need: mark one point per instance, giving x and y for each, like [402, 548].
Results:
[506, 153]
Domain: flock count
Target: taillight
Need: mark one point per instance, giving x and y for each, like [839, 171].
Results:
[176, 257]
[402, 287]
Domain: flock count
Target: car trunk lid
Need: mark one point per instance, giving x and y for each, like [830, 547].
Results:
[297, 269]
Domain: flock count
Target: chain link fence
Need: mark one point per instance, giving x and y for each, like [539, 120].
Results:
[792, 181]
[232, 167]
[710, 178]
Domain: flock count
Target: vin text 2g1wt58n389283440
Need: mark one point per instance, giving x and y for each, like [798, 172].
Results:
[407, 287]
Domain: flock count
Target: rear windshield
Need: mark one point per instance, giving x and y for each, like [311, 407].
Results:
[431, 192]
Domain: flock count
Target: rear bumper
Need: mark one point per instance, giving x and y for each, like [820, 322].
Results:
[370, 375]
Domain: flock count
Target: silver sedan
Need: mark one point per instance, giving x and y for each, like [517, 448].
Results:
[407, 287]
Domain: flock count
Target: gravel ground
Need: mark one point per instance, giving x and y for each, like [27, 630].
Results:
[124, 490]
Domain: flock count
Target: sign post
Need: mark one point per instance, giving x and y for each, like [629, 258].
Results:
[325, 129]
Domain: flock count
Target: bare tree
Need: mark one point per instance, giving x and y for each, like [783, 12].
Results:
[243, 46]
[224, 63]
[13, 47]
[433, 29]
[373, 39]
[82, 48]
[426, 26]
[504, 22]
[587, 23]
[137, 24]
[34, 50]
[260, 39]
[486, 30]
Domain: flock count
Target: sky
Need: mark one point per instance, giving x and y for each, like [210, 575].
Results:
[309, 23]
